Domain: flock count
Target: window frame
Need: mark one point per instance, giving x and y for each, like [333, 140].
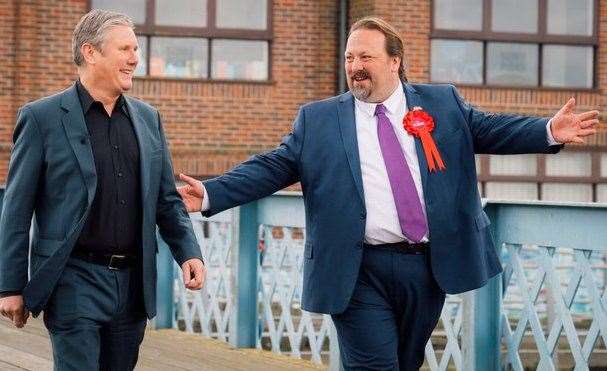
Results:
[541, 38]
[594, 179]
[210, 32]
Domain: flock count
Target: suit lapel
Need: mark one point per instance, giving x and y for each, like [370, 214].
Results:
[142, 139]
[79, 139]
[414, 100]
[347, 127]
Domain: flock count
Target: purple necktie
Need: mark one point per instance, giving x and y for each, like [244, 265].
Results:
[408, 206]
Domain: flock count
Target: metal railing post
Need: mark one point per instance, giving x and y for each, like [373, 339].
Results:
[487, 307]
[246, 317]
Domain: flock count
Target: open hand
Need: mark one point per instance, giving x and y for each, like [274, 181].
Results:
[570, 127]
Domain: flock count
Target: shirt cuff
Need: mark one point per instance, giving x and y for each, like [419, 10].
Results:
[206, 204]
[549, 137]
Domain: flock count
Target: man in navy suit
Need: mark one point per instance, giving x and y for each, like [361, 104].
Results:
[387, 237]
[93, 167]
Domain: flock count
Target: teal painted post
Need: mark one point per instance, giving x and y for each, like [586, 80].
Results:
[248, 256]
[487, 304]
[1, 197]
[164, 286]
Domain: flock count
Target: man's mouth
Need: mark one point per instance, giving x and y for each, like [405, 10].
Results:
[360, 76]
[128, 73]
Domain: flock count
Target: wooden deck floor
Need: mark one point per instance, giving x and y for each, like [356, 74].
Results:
[29, 349]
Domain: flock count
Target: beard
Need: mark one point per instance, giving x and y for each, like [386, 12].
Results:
[360, 89]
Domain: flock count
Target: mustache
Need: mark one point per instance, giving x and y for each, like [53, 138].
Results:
[360, 74]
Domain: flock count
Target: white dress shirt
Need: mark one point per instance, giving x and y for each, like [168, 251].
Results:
[382, 219]
[382, 225]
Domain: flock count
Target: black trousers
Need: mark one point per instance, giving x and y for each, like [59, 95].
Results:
[394, 308]
[96, 318]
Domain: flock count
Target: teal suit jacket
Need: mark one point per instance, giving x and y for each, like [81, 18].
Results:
[322, 153]
[52, 177]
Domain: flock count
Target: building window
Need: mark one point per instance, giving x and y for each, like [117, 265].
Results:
[200, 39]
[515, 43]
[577, 174]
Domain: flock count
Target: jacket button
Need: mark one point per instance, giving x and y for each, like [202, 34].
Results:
[363, 215]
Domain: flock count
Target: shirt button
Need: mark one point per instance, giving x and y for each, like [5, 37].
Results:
[115, 148]
[122, 202]
[119, 174]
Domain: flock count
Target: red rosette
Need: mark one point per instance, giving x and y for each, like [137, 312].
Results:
[417, 120]
[420, 124]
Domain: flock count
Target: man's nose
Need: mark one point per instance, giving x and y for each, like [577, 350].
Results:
[356, 65]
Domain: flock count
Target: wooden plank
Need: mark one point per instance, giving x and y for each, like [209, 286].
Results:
[194, 350]
[24, 359]
[9, 367]
[29, 349]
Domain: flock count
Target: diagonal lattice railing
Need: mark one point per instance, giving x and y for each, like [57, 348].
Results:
[286, 328]
[546, 311]
[209, 310]
[553, 300]
[550, 288]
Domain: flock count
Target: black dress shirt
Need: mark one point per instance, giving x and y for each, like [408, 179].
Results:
[113, 225]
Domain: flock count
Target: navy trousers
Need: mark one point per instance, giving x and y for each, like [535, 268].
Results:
[96, 318]
[394, 308]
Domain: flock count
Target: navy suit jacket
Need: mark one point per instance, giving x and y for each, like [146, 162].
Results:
[322, 153]
[52, 175]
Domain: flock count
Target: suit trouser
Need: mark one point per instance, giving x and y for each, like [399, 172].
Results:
[394, 308]
[96, 318]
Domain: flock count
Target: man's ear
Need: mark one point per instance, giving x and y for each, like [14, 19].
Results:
[395, 64]
[88, 53]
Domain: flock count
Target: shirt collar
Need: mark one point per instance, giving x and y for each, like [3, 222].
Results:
[393, 103]
[86, 100]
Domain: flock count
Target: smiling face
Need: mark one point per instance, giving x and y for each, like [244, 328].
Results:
[113, 66]
[371, 73]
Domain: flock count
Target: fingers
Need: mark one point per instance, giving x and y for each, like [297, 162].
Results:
[186, 270]
[199, 277]
[569, 107]
[586, 132]
[589, 123]
[188, 179]
[195, 272]
[588, 115]
[183, 191]
[19, 320]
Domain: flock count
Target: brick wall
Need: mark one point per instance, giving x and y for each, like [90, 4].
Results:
[412, 18]
[211, 125]
[7, 70]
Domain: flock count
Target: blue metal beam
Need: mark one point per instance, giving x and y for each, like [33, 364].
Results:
[571, 225]
[284, 209]
[248, 256]
[487, 314]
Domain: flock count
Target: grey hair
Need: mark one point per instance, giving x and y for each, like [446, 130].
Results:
[92, 29]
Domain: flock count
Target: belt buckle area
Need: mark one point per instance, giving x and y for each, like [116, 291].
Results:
[117, 259]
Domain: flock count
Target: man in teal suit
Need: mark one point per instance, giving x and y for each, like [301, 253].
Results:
[386, 236]
[93, 167]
